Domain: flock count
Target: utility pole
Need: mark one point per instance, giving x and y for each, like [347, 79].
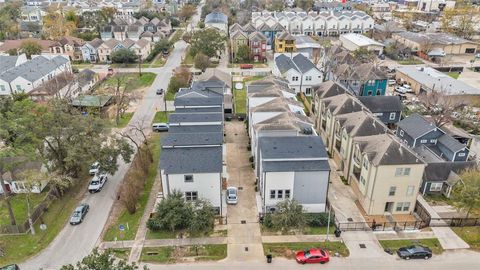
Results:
[140, 65]
[328, 221]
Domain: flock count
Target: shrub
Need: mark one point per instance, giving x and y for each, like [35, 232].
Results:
[318, 219]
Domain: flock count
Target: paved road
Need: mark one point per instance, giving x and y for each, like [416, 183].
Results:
[75, 242]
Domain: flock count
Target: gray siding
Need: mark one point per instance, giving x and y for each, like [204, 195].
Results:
[311, 187]
[429, 136]
[409, 140]
[385, 117]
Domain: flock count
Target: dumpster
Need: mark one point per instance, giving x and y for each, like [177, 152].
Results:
[269, 258]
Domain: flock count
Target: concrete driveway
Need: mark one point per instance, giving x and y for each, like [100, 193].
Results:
[244, 237]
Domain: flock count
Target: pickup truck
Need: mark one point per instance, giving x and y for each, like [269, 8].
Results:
[97, 183]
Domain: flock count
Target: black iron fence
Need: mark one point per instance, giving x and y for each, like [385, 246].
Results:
[454, 222]
[380, 226]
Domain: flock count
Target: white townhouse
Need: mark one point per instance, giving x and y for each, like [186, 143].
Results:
[293, 167]
[300, 72]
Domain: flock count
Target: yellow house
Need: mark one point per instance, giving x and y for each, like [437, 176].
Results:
[284, 42]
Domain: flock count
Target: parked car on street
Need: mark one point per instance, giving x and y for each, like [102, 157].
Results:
[159, 127]
[10, 267]
[79, 214]
[232, 195]
[414, 252]
[160, 91]
[401, 89]
[97, 183]
[314, 255]
[392, 82]
[94, 168]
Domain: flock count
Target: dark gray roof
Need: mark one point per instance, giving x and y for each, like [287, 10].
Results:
[85, 77]
[197, 117]
[449, 142]
[284, 63]
[295, 166]
[292, 147]
[199, 110]
[196, 129]
[34, 69]
[192, 160]
[382, 103]
[415, 125]
[329, 89]
[440, 171]
[303, 63]
[189, 139]
[7, 62]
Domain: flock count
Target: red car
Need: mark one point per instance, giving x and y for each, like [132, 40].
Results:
[314, 255]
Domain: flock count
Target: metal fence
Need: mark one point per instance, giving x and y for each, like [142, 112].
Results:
[25, 227]
[454, 222]
[380, 226]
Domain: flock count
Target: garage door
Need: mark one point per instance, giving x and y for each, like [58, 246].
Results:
[470, 50]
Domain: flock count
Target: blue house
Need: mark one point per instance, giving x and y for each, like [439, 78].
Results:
[362, 80]
[387, 109]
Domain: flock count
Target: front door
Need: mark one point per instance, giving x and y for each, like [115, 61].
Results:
[388, 207]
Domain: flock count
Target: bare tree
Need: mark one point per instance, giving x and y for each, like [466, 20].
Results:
[122, 97]
[441, 106]
[137, 134]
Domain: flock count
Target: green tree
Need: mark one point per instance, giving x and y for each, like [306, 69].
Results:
[207, 41]
[124, 56]
[466, 193]
[179, 80]
[203, 217]
[243, 54]
[172, 213]
[101, 261]
[288, 216]
[30, 48]
[201, 25]
[276, 5]
[187, 12]
[9, 15]
[202, 62]
[363, 55]
[306, 5]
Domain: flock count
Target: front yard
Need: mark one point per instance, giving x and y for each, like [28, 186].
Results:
[288, 250]
[471, 235]
[132, 221]
[432, 243]
[184, 253]
[19, 206]
[133, 81]
[240, 101]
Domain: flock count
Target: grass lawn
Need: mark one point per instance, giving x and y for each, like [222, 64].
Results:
[319, 230]
[133, 220]
[410, 62]
[240, 101]
[160, 117]
[189, 59]
[288, 249]
[252, 78]
[124, 120]
[170, 96]
[133, 80]
[471, 235]
[85, 65]
[121, 253]
[159, 62]
[19, 206]
[438, 199]
[432, 243]
[177, 35]
[161, 235]
[454, 75]
[199, 253]
[20, 247]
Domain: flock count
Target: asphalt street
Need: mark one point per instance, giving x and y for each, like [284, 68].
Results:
[75, 242]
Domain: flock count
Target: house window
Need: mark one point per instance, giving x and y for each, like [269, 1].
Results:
[392, 191]
[402, 172]
[280, 194]
[272, 194]
[401, 133]
[392, 116]
[410, 190]
[406, 206]
[191, 196]
[433, 141]
[436, 186]
[2, 88]
[365, 163]
[287, 194]
[399, 206]
[308, 91]
[308, 78]
[295, 79]
[371, 82]
[188, 178]
[362, 180]
[19, 88]
[461, 154]
[423, 141]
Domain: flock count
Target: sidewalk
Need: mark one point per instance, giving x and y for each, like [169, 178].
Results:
[298, 238]
[166, 242]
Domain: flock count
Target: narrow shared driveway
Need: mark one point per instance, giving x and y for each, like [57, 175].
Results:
[75, 242]
[244, 237]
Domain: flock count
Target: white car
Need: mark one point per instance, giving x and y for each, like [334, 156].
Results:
[232, 197]
[401, 89]
[408, 87]
[97, 183]
[94, 168]
[391, 82]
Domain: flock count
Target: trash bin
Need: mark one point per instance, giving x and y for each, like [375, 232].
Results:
[337, 233]
[269, 258]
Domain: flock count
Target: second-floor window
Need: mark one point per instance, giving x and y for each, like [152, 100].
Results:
[295, 79]
[410, 190]
[401, 133]
[188, 178]
[308, 78]
[365, 163]
[402, 172]
[392, 190]
[392, 116]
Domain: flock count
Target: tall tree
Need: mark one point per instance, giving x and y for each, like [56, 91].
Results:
[440, 106]
[9, 16]
[56, 26]
[243, 53]
[101, 261]
[202, 62]
[461, 20]
[207, 41]
[187, 12]
[306, 5]
[288, 216]
[30, 48]
[172, 213]
[466, 193]
[124, 56]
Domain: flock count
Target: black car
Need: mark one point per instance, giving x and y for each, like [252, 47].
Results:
[159, 91]
[414, 252]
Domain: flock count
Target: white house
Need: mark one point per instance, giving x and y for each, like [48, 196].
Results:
[300, 72]
[353, 42]
[14, 185]
[293, 167]
[33, 73]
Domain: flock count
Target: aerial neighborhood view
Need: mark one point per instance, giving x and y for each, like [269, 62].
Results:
[239, 134]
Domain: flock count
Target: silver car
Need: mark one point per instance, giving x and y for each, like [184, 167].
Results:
[79, 214]
[232, 195]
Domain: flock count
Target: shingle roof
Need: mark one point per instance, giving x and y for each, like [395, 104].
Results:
[449, 142]
[257, 36]
[377, 104]
[303, 63]
[95, 43]
[196, 129]
[284, 63]
[190, 139]
[329, 89]
[192, 160]
[361, 123]
[285, 36]
[295, 166]
[7, 62]
[440, 171]
[197, 118]
[34, 69]
[199, 110]
[292, 147]
[415, 125]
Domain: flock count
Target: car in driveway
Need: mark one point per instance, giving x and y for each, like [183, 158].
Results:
[94, 168]
[232, 195]
[159, 127]
[314, 255]
[10, 267]
[414, 252]
[97, 183]
[79, 214]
